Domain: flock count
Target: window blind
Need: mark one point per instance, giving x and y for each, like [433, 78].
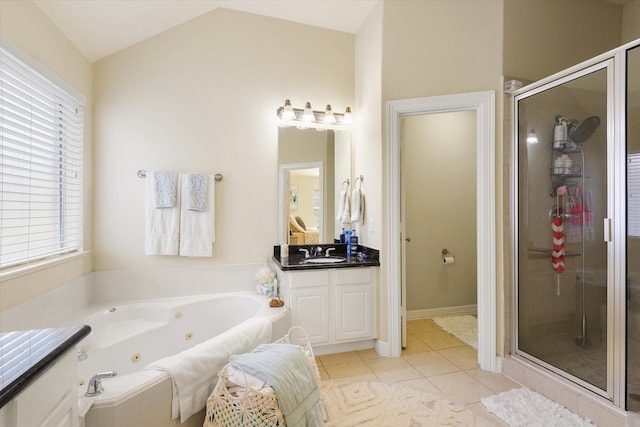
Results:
[41, 165]
[633, 194]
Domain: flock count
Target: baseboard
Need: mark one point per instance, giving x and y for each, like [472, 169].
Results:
[321, 350]
[428, 313]
[382, 348]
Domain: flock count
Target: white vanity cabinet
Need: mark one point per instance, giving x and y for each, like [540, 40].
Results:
[51, 401]
[335, 306]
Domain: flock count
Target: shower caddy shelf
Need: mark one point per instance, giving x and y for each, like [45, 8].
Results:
[562, 177]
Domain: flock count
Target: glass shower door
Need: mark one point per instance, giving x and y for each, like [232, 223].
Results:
[562, 202]
[633, 229]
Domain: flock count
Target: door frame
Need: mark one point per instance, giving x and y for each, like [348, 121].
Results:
[483, 103]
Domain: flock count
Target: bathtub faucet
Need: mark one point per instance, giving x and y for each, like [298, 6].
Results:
[95, 384]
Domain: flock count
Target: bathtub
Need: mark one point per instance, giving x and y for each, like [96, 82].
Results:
[128, 336]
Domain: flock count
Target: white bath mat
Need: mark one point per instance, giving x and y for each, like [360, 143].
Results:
[522, 407]
[374, 404]
[465, 328]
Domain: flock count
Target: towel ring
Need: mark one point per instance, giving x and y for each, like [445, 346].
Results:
[360, 178]
[346, 181]
[143, 173]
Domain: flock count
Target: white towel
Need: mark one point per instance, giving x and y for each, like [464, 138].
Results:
[165, 187]
[357, 207]
[162, 224]
[197, 229]
[343, 214]
[194, 372]
[197, 184]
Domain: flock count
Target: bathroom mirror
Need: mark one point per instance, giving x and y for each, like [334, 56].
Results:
[313, 165]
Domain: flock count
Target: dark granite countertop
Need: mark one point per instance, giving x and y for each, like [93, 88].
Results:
[25, 355]
[365, 257]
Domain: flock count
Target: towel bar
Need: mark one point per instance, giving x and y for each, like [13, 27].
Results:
[143, 173]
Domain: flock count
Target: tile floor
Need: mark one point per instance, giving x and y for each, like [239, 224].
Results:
[434, 361]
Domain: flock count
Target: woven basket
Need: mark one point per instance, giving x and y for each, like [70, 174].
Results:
[252, 407]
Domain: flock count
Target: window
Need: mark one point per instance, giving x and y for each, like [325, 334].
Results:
[633, 194]
[41, 163]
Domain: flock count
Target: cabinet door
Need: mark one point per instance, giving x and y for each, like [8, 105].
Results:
[310, 310]
[65, 414]
[354, 312]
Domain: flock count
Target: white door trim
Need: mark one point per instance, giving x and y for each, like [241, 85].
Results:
[483, 103]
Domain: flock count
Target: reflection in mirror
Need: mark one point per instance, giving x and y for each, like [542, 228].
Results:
[313, 165]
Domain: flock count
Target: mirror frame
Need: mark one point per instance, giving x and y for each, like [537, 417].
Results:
[283, 179]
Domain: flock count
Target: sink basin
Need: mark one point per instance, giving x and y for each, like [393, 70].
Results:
[324, 260]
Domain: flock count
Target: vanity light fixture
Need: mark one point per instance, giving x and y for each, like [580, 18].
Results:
[348, 118]
[532, 137]
[308, 118]
[308, 115]
[287, 112]
[328, 115]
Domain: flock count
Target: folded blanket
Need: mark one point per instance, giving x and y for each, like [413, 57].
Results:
[285, 368]
[194, 372]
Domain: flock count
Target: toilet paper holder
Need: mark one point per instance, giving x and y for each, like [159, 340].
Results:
[447, 257]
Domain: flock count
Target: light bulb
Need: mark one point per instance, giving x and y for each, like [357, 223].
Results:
[288, 113]
[532, 138]
[328, 115]
[348, 118]
[308, 113]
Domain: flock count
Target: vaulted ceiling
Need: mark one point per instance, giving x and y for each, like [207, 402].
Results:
[99, 28]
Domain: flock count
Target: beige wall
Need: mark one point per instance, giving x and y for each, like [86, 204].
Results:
[26, 27]
[439, 47]
[367, 140]
[542, 37]
[439, 200]
[631, 21]
[203, 96]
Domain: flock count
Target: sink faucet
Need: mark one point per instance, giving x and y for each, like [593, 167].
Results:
[318, 251]
[328, 250]
[306, 252]
[95, 384]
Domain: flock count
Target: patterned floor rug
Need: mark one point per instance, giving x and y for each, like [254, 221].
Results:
[465, 328]
[367, 404]
[522, 407]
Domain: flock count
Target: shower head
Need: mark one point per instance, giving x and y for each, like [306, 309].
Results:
[579, 132]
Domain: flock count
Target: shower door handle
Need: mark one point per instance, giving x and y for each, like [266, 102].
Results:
[607, 230]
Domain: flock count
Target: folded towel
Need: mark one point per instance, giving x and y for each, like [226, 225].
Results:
[197, 184]
[285, 368]
[343, 214]
[197, 229]
[194, 372]
[357, 207]
[161, 225]
[165, 189]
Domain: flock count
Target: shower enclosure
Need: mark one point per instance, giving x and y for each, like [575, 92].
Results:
[577, 225]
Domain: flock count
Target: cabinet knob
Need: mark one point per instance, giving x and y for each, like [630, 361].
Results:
[408, 239]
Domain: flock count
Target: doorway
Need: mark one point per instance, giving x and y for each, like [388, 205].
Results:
[438, 198]
[483, 105]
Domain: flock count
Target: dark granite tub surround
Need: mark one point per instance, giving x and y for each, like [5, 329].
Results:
[25, 355]
[365, 257]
